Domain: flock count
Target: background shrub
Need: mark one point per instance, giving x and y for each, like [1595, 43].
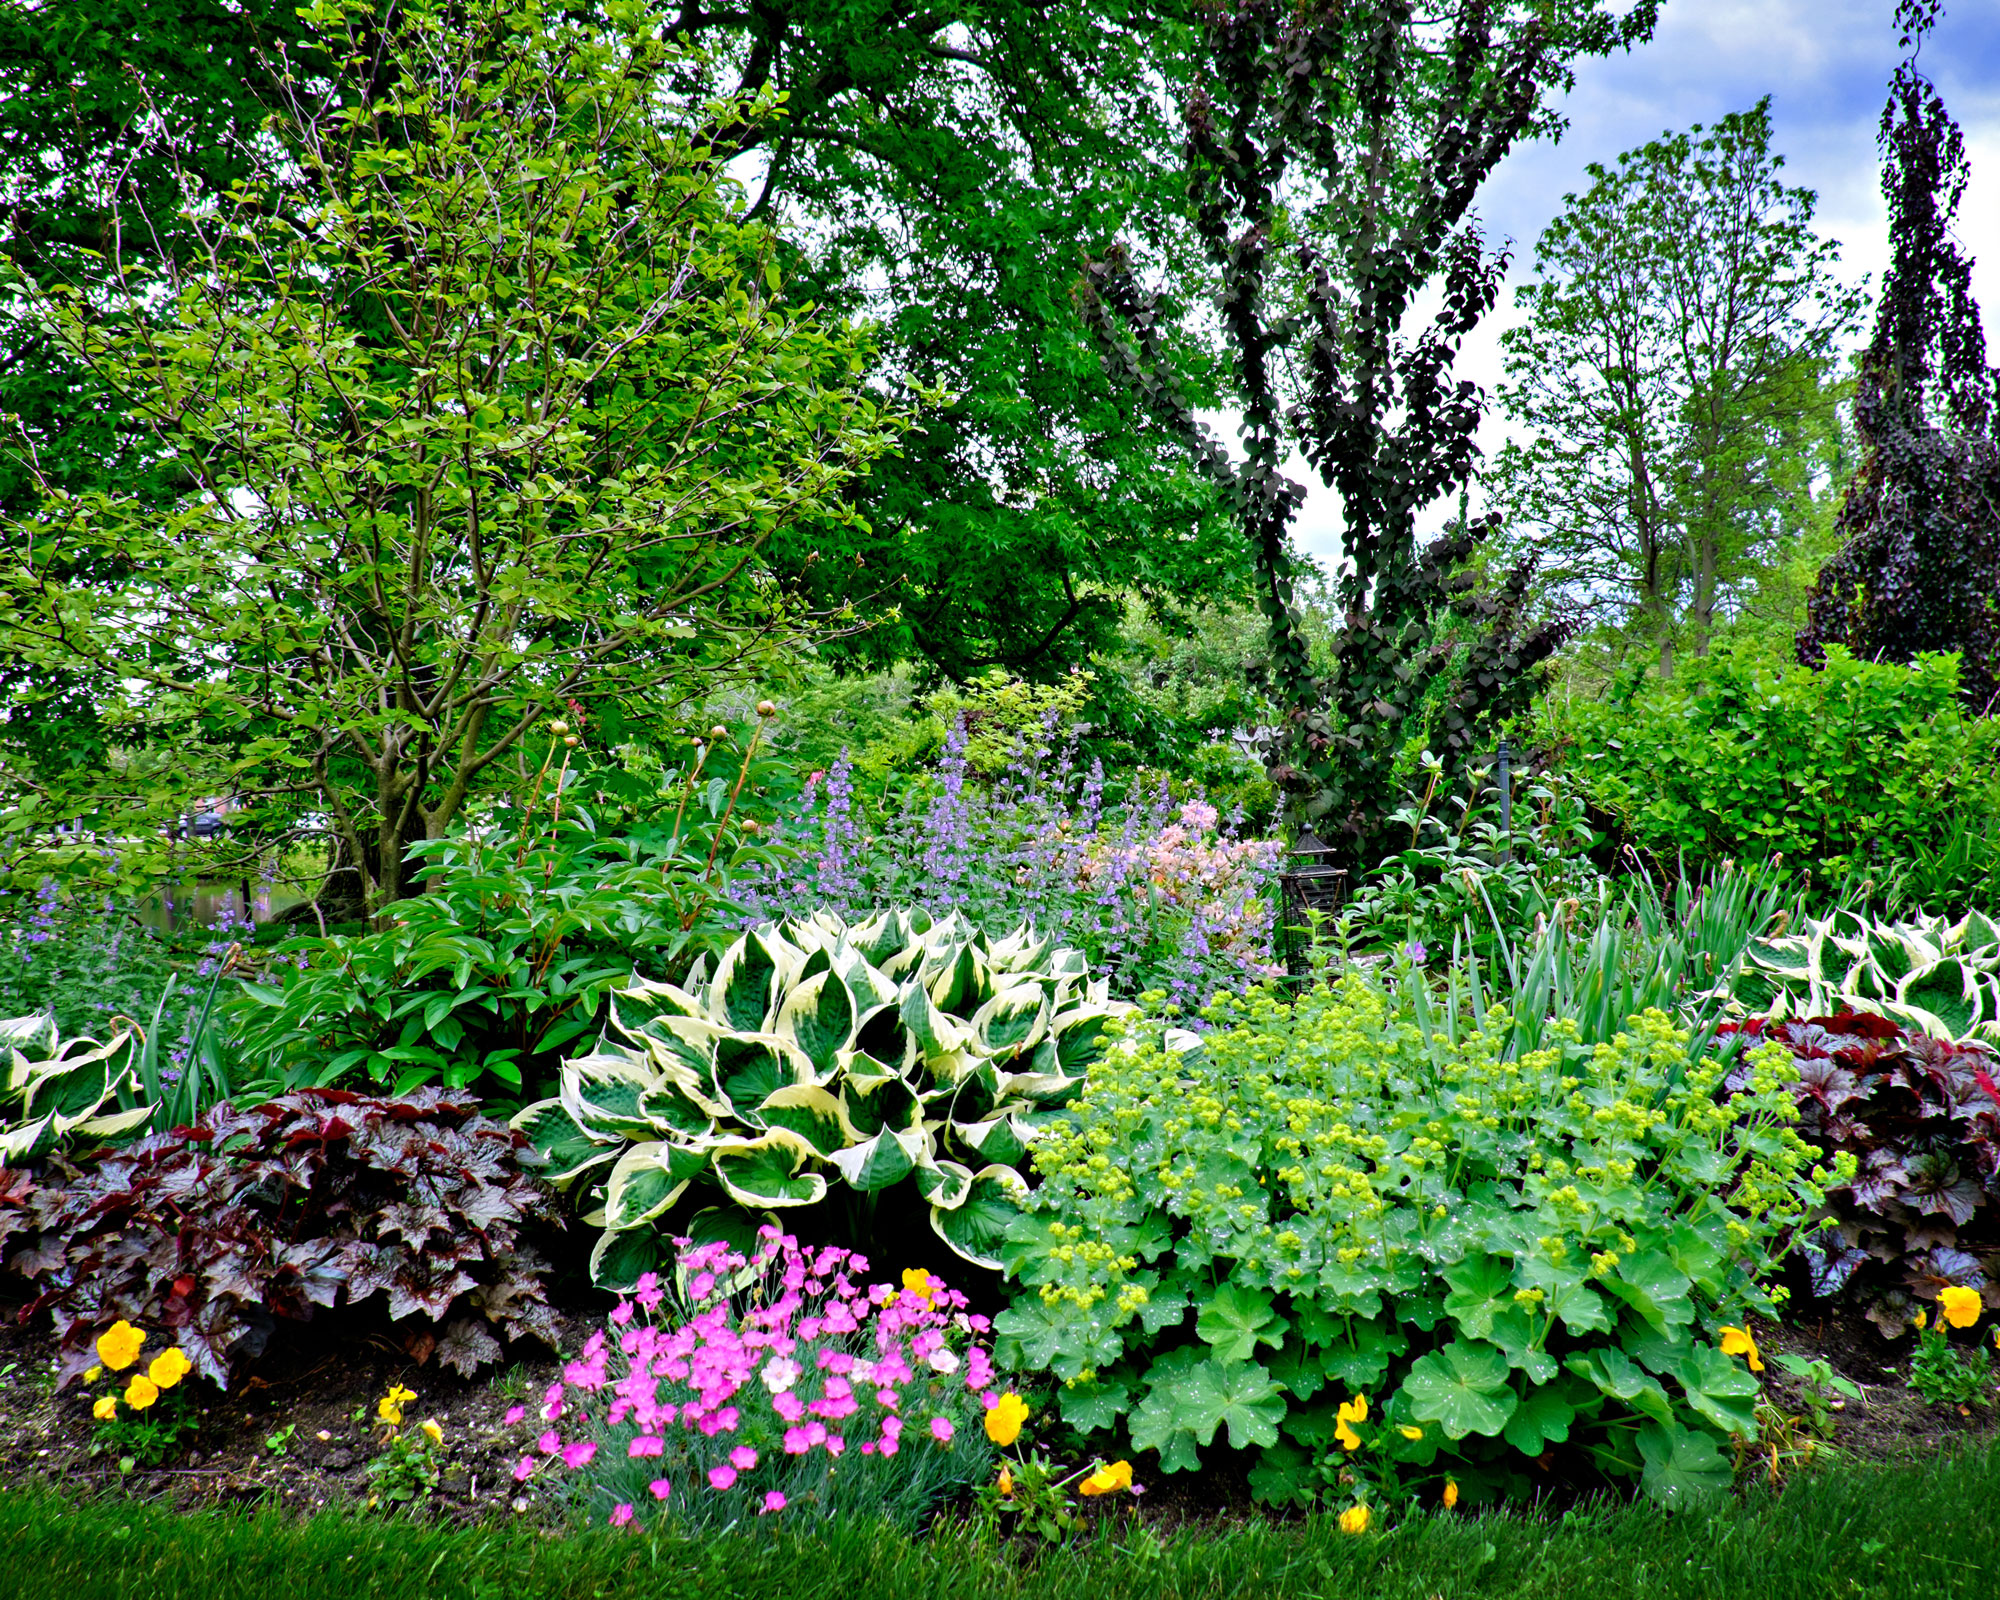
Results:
[1509, 1258]
[1859, 767]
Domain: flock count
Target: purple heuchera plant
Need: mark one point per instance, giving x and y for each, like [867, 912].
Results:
[1159, 893]
[743, 1390]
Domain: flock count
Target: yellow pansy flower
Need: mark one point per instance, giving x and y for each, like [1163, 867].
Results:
[1003, 1422]
[1006, 1482]
[390, 1407]
[1738, 1342]
[141, 1392]
[106, 1407]
[917, 1282]
[1960, 1306]
[1450, 1493]
[1355, 1410]
[93, 1375]
[1410, 1433]
[1105, 1479]
[169, 1367]
[1355, 1519]
[431, 1431]
[118, 1345]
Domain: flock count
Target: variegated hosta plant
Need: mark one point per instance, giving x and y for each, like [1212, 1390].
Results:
[1931, 976]
[893, 1051]
[58, 1088]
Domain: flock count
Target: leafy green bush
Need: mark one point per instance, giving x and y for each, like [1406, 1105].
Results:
[502, 965]
[1861, 766]
[1459, 872]
[1331, 1223]
[894, 1052]
[1938, 978]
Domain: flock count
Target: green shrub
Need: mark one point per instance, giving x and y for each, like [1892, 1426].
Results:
[1507, 1258]
[897, 1053]
[1862, 766]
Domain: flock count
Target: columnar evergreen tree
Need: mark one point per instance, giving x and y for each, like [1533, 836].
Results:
[1920, 568]
[1334, 151]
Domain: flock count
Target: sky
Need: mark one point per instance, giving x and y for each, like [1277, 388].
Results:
[1826, 65]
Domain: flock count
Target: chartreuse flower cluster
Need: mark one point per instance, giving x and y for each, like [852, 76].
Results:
[1327, 1203]
[151, 1415]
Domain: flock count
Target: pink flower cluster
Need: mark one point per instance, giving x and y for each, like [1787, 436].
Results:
[759, 1360]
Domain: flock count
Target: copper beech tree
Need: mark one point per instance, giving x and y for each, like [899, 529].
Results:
[1334, 149]
[483, 400]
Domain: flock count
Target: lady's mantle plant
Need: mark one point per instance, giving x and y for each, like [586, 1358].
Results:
[897, 1051]
[1352, 1202]
[780, 1382]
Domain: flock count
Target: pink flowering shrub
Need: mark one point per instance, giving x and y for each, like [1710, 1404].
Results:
[780, 1383]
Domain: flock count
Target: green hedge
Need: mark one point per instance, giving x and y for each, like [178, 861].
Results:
[1863, 765]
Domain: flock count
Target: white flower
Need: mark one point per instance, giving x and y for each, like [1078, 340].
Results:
[780, 1373]
[942, 1360]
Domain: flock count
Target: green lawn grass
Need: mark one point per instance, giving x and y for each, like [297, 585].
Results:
[1922, 1530]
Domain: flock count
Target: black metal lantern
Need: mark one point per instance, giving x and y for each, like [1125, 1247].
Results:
[1310, 883]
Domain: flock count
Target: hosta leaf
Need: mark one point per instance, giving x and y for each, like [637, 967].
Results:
[1011, 1022]
[1003, 1139]
[888, 1158]
[1463, 1388]
[944, 1184]
[977, 1226]
[1236, 1320]
[604, 1093]
[814, 1114]
[765, 1172]
[646, 1180]
[567, 1149]
[964, 985]
[740, 991]
[750, 1068]
[635, 1006]
[818, 1016]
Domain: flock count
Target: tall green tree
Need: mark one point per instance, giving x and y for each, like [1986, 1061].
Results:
[479, 399]
[1334, 151]
[945, 168]
[1677, 379]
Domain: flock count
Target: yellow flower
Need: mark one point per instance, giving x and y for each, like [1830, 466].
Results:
[1411, 1433]
[93, 1375]
[1354, 1519]
[1356, 1410]
[169, 1367]
[1960, 1306]
[432, 1431]
[1003, 1422]
[1105, 1479]
[1921, 1319]
[141, 1392]
[390, 1407]
[1737, 1342]
[1450, 1494]
[118, 1345]
[917, 1282]
[106, 1407]
[1006, 1482]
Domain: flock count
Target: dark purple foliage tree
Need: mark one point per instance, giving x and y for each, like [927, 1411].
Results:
[1333, 155]
[1920, 568]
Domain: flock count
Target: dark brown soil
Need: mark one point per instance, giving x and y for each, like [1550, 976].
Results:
[324, 1393]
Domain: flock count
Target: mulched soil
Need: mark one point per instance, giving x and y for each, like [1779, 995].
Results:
[325, 1391]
